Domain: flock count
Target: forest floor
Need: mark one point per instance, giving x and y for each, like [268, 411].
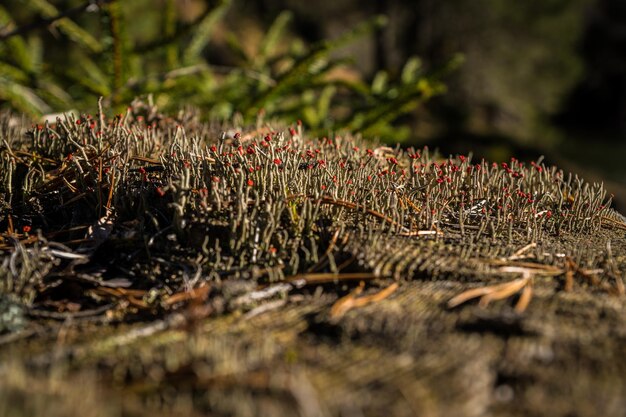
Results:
[408, 355]
[314, 304]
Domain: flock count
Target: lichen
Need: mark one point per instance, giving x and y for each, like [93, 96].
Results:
[140, 207]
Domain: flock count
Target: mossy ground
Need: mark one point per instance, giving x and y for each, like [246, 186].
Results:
[408, 355]
[151, 266]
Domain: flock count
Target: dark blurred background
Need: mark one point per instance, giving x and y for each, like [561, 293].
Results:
[545, 76]
[538, 77]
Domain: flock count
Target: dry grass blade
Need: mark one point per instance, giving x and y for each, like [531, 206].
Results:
[323, 278]
[524, 299]
[69, 185]
[345, 303]
[197, 294]
[497, 292]
[592, 278]
[131, 296]
[111, 189]
[354, 206]
[616, 223]
[520, 253]
[8, 246]
[412, 205]
[34, 157]
[619, 286]
[465, 296]
[422, 233]
[350, 301]
[67, 255]
[347, 204]
[569, 274]
[10, 228]
[509, 289]
[379, 296]
[589, 276]
[507, 266]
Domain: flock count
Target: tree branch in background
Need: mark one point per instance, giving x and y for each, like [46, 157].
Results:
[42, 22]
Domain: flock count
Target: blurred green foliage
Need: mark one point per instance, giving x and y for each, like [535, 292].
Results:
[115, 50]
[521, 61]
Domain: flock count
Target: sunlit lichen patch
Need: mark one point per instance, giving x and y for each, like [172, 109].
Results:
[121, 214]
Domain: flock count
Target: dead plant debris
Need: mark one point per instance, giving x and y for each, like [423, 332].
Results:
[142, 214]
